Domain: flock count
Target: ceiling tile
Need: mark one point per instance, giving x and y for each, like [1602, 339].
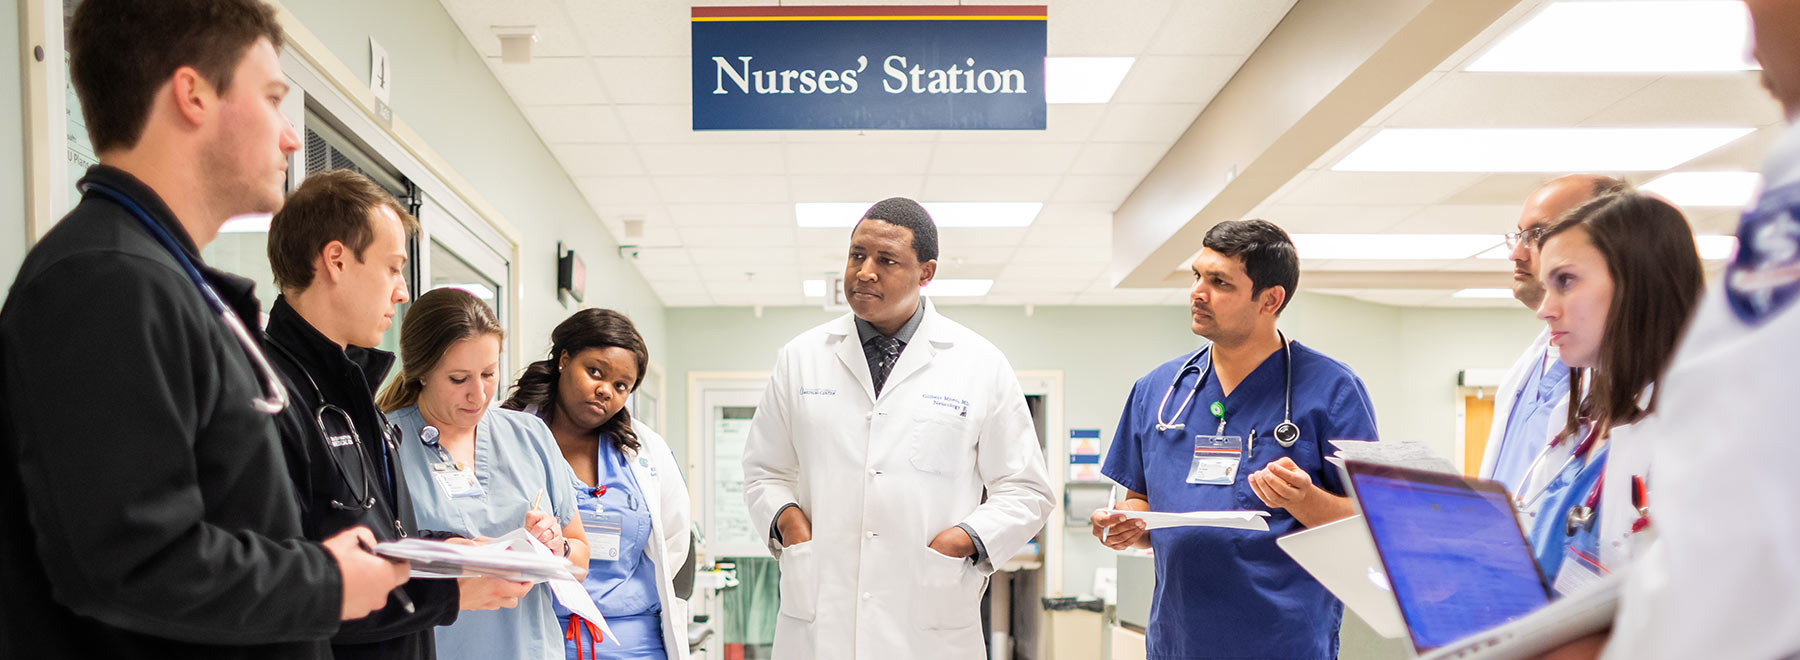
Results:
[652, 124]
[1119, 158]
[686, 300]
[981, 236]
[717, 189]
[1072, 271]
[1745, 154]
[971, 255]
[1018, 286]
[1332, 187]
[646, 80]
[477, 17]
[733, 258]
[678, 288]
[960, 158]
[742, 237]
[870, 189]
[712, 159]
[1177, 79]
[663, 257]
[1218, 27]
[1336, 218]
[985, 188]
[1087, 188]
[731, 215]
[1718, 99]
[563, 124]
[661, 274]
[632, 28]
[1072, 122]
[1080, 27]
[1512, 188]
[858, 158]
[586, 160]
[1513, 100]
[551, 81]
[617, 190]
[1462, 219]
[1146, 122]
[1097, 238]
[1094, 214]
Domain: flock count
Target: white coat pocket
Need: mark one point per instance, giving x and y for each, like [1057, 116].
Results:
[799, 582]
[948, 595]
[942, 444]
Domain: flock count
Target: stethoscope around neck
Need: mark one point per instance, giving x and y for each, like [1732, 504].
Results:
[274, 397]
[1286, 433]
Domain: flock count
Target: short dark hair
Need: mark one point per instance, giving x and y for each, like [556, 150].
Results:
[903, 212]
[122, 51]
[334, 205]
[1267, 252]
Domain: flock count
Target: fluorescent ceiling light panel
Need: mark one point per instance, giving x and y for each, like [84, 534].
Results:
[1084, 79]
[957, 288]
[252, 223]
[1484, 294]
[473, 288]
[1733, 189]
[1392, 247]
[812, 288]
[1626, 37]
[1534, 149]
[945, 214]
[1716, 248]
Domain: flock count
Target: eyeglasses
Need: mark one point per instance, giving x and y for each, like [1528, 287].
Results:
[1527, 236]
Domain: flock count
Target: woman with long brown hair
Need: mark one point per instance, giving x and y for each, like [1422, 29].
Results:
[479, 472]
[1622, 276]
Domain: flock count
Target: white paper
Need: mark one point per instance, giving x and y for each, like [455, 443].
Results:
[567, 590]
[437, 559]
[1399, 453]
[1252, 520]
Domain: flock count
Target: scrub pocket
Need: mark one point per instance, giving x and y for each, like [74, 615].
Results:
[799, 582]
[948, 595]
[942, 444]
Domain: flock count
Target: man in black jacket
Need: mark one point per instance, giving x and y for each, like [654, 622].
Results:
[338, 251]
[144, 499]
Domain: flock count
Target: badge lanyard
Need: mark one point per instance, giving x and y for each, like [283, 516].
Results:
[1581, 449]
[1218, 456]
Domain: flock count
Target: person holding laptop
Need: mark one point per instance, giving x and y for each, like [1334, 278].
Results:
[1621, 276]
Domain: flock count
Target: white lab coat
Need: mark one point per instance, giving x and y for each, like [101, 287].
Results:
[671, 529]
[879, 477]
[1720, 579]
[1507, 394]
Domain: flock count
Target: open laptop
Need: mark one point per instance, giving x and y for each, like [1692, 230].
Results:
[1453, 551]
[1341, 557]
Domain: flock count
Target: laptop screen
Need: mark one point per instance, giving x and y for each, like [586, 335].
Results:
[1453, 552]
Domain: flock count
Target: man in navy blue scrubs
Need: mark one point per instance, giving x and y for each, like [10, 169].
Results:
[1219, 443]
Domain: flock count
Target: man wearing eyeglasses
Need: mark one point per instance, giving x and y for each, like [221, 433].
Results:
[338, 250]
[1538, 380]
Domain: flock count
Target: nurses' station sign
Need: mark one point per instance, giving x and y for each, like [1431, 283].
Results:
[834, 68]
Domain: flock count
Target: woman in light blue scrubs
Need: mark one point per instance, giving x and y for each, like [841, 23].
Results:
[1622, 276]
[476, 472]
[624, 480]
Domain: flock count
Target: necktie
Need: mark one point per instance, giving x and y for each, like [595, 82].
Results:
[887, 352]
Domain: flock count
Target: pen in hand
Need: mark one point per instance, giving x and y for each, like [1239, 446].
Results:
[399, 593]
[1112, 501]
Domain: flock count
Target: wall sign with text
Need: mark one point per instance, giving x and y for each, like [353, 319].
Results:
[835, 68]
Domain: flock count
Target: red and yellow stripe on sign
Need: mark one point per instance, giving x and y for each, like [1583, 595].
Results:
[912, 13]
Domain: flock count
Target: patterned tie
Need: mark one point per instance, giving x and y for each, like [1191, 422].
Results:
[887, 352]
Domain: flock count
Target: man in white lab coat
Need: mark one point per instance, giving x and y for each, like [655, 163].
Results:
[869, 456]
[1538, 380]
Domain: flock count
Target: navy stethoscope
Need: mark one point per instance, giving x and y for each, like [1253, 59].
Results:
[1286, 433]
[274, 397]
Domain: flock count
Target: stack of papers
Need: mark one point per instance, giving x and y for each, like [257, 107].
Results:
[1253, 520]
[515, 556]
[1399, 453]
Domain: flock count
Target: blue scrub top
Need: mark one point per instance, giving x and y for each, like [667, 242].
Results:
[1528, 423]
[624, 587]
[515, 459]
[1225, 593]
[1550, 539]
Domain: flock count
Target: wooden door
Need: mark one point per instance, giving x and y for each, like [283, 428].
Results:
[1478, 419]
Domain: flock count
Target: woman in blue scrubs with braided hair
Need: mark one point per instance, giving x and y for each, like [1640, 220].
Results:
[627, 486]
[1244, 423]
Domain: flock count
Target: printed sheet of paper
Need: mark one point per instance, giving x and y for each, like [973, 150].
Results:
[567, 589]
[1252, 520]
[1399, 453]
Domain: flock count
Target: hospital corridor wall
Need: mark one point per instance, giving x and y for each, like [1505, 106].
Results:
[12, 152]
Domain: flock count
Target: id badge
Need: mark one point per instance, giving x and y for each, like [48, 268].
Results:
[1216, 459]
[1578, 570]
[603, 530]
[456, 483]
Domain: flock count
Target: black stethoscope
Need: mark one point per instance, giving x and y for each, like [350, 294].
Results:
[274, 397]
[389, 432]
[1286, 433]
